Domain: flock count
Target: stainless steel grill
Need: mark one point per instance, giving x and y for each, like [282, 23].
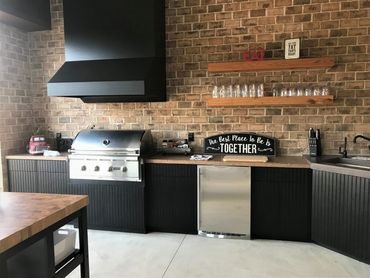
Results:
[109, 154]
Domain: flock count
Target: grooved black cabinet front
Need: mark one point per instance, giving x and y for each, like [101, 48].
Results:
[40, 176]
[341, 213]
[281, 203]
[113, 205]
[171, 196]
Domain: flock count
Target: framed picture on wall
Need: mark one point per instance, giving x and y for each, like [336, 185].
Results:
[292, 47]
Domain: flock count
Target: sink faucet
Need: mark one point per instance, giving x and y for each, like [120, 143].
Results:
[344, 151]
[361, 136]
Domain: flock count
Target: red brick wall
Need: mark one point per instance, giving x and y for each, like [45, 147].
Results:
[16, 119]
[203, 31]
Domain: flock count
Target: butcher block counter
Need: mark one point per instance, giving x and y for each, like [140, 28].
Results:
[29, 218]
[62, 157]
[278, 162]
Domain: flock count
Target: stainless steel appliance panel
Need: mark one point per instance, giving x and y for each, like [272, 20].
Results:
[224, 195]
[116, 169]
[113, 155]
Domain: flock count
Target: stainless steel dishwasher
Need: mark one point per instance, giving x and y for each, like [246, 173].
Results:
[224, 201]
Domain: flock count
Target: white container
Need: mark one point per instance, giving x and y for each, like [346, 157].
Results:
[64, 244]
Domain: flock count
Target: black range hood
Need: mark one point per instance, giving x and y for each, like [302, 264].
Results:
[115, 51]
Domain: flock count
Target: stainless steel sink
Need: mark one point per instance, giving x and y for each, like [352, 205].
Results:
[358, 162]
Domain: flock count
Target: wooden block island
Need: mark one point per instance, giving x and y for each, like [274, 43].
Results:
[27, 224]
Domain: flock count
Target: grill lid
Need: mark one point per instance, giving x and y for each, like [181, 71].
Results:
[95, 140]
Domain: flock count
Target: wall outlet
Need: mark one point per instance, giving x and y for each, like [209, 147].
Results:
[191, 137]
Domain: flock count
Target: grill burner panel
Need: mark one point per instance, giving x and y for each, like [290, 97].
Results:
[113, 155]
[114, 169]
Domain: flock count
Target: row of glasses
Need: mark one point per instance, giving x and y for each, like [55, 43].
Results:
[300, 91]
[246, 90]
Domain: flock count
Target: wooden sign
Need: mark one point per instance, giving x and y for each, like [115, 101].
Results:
[241, 144]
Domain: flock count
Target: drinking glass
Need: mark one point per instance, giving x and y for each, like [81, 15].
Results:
[215, 92]
[284, 92]
[292, 92]
[237, 92]
[245, 92]
[260, 90]
[316, 91]
[229, 91]
[222, 91]
[275, 92]
[300, 91]
[252, 90]
[325, 91]
[308, 91]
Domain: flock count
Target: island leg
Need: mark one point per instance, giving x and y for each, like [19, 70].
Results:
[82, 227]
[3, 267]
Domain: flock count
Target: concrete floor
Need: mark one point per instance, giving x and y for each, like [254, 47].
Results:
[115, 255]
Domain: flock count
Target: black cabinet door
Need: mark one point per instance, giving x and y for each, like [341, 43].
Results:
[53, 177]
[341, 213]
[39, 176]
[22, 175]
[113, 205]
[281, 203]
[171, 195]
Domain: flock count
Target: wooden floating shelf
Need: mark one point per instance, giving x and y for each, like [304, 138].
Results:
[269, 65]
[271, 101]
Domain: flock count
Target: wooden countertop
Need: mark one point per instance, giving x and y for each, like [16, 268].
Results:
[23, 215]
[63, 157]
[279, 162]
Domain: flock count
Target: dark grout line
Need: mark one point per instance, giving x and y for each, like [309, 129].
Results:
[174, 255]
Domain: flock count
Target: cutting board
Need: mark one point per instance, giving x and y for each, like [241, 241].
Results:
[246, 158]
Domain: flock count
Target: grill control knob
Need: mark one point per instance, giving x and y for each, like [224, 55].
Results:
[124, 169]
[96, 169]
[83, 168]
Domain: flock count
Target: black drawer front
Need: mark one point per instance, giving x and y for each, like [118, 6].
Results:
[22, 165]
[52, 166]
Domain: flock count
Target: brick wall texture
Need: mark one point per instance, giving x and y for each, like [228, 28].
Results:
[203, 31]
[16, 118]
